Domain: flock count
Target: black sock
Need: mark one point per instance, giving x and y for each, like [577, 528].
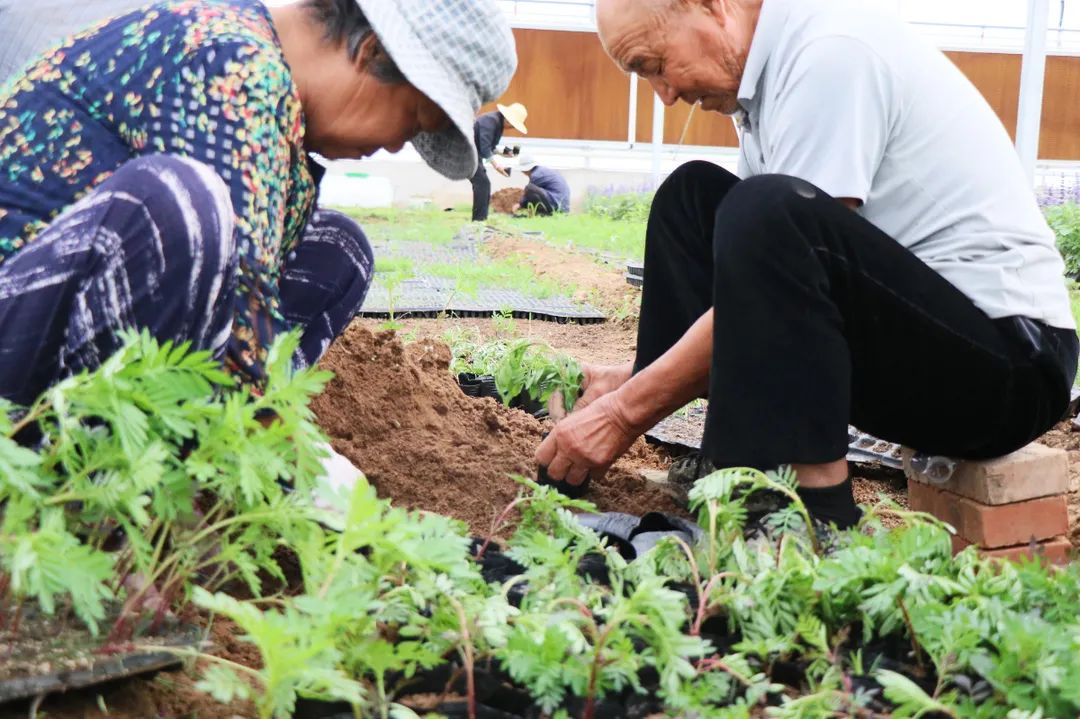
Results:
[832, 505]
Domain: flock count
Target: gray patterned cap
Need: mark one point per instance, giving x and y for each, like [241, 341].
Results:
[460, 54]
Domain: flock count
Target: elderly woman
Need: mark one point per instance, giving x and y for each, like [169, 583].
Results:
[155, 170]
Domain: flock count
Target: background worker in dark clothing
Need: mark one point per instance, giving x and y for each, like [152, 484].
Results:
[488, 133]
[547, 191]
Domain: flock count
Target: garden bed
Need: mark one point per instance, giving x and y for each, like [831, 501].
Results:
[397, 412]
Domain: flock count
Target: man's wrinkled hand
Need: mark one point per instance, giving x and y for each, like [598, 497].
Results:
[589, 440]
[597, 381]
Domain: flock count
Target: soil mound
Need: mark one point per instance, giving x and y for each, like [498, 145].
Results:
[398, 414]
[504, 200]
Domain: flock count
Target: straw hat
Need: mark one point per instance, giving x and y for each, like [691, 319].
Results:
[460, 54]
[516, 115]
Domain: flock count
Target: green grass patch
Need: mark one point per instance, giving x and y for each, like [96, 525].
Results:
[596, 233]
[437, 227]
[395, 265]
[508, 273]
[622, 238]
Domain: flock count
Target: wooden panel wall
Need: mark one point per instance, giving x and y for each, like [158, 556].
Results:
[1060, 139]
[571, 88]
[998, 78]
[706, 128]
[574, 92]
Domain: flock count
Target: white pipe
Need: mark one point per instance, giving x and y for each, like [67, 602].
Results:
[657, 137]
[1032, 82]
[631, 127]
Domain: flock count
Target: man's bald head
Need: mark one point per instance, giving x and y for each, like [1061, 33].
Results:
[616, 18]
[689, 50]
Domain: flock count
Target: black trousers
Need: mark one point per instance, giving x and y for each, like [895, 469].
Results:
[481, 194]
[822, 320]
[538, 201]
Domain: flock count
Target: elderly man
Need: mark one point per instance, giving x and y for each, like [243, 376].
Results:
[882, 261]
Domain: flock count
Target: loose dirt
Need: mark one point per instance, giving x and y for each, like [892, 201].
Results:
[398, 414]
[603, 343]
[596, 281]
[504, 200]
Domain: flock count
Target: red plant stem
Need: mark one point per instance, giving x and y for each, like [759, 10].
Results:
[712, 664]
[16, 622]
[594, 673]
[467, 656]
[703, 602]
[119, 627]
[498, 522]
[914, 637]
[4, 581]
[165, 601]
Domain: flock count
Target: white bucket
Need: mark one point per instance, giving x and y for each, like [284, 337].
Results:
[355, 189]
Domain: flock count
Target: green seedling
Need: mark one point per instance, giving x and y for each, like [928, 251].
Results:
[534, 368]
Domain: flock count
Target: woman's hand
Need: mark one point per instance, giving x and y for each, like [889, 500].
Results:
[598, 380]
[589, 440]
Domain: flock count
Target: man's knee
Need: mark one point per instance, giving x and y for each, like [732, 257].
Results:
[685, 178]
[688, 193]
[755, 216]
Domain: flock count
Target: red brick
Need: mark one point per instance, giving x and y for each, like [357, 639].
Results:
[991, 527]
[1029, 473]
[1053, 551]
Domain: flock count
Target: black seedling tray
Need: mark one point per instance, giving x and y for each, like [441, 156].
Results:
[484, 386]
[102, 671]
[478, 385]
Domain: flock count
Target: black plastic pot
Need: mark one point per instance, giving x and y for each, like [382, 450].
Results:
[478, 385]
[573, 491]
[526, 403]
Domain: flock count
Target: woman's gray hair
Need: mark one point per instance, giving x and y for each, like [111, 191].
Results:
[343, 22]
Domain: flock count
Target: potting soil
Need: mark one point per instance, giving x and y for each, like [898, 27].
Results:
[504, 200]
[397, 412]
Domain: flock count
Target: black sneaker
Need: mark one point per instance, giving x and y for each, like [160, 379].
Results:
[688, 469]
[683, 473]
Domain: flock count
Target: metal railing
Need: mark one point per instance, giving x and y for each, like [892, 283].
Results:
[996, 37]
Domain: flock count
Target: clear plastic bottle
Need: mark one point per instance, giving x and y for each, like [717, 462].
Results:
[936, 470]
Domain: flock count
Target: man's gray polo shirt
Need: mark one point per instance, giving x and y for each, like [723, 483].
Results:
[854, 101]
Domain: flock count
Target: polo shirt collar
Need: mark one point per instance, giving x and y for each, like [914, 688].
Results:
[774, 15]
